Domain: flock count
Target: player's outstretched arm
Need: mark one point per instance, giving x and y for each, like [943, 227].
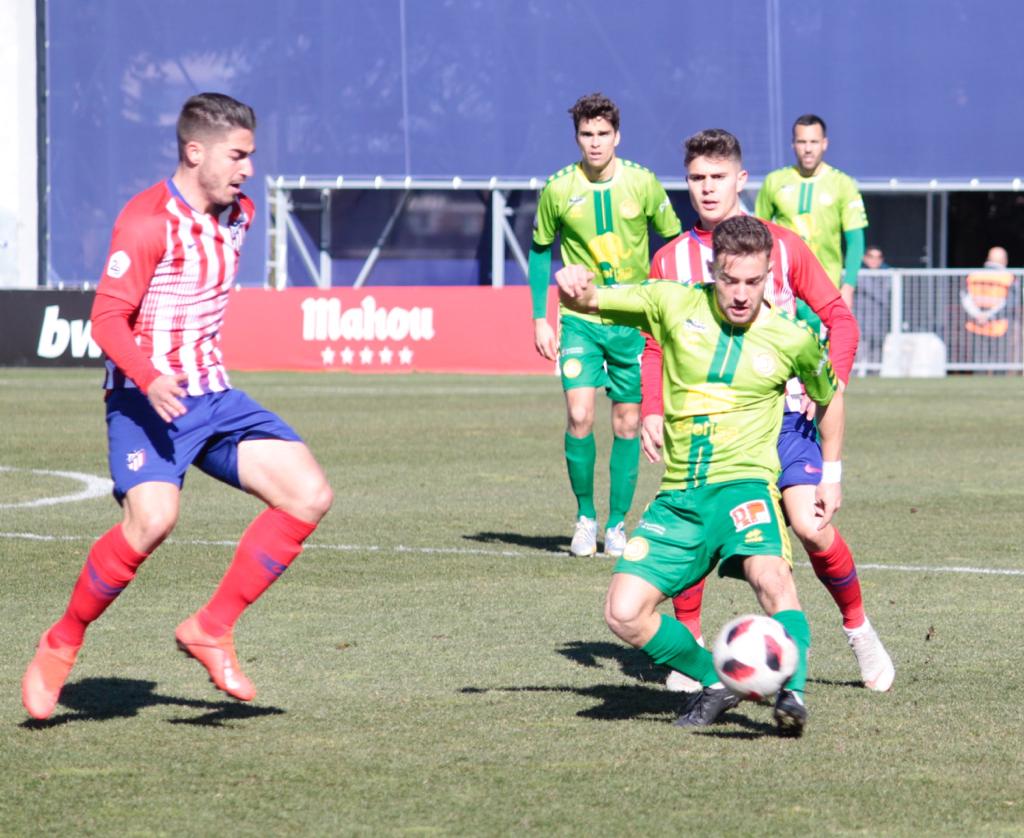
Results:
[828, 497]
[576, 290]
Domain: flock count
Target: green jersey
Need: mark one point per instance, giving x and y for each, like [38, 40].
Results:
[724, 384]
[604, 225]
[820, 208]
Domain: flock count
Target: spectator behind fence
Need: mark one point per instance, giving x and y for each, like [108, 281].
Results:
[985, 298]
[989, 315]
[874, 259]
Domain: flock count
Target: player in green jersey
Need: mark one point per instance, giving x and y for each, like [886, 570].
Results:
[727, 357]
[819, 202]
[601, 207]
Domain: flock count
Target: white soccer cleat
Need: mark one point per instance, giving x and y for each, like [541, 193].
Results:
[876, 668]
[584, 540]
[679, 683]
[615, 540]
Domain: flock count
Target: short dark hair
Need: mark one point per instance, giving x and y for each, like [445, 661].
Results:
[810, 119]
[208, 114]
[716, 143]
[741, 235]
[592, 106]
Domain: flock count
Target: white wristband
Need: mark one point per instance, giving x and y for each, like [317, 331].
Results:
[831, 471]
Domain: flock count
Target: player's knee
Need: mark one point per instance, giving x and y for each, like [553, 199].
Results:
[623, 618]
[805, 528]
[581, 421]
[145, 529]
[774, 586]
[312, 499]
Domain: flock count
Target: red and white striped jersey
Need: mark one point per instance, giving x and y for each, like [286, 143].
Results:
[796, 274]
[687, 258]
[176, 266]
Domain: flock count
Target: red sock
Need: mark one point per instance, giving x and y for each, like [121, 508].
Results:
[109, 567]
[837, 572]
[267, 547]
[687, 606]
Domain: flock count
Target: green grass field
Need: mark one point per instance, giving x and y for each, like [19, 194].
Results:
[435, 662]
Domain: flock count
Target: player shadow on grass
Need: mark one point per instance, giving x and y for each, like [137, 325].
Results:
[639, 702]
[101, 699]
[618, 703]
[545, 543]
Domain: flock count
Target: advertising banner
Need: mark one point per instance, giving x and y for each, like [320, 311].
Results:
[47, 329]
[437, 329]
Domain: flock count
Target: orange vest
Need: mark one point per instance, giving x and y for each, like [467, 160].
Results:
[989, 289]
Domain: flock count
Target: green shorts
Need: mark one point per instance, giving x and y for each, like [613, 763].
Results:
[596, 355]
[684, 534]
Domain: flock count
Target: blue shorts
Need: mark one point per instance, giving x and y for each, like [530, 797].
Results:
[799, 452]
[144, 448]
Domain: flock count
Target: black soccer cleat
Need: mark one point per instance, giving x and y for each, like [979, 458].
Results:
[790, 714]
[706, 706]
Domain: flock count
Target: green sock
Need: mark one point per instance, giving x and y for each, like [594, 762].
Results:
[796, 624]
[580, 456]
[673, 645]
[622, 471]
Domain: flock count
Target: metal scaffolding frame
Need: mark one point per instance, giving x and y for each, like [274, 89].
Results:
[283, 232]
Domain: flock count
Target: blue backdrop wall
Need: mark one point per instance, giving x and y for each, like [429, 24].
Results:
[910, 89]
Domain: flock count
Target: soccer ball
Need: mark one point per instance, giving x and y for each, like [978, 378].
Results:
[754, 656]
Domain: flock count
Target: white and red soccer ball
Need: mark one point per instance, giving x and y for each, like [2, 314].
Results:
[754, 656]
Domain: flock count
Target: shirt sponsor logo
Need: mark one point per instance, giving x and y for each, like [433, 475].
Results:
[136, 459]
[119, 263]
[750, 514]
[637, 548]
[572, 368]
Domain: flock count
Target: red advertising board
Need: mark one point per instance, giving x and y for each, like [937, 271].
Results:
[396, 329]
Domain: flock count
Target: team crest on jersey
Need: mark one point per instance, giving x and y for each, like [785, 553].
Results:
[826, 199]
[136, 459]
[629, 208]
[572, 367]
[764, 363]
[118, 265]
[637, 548]
[750, 514]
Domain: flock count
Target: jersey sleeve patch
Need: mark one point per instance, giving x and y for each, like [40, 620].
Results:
[118, 264]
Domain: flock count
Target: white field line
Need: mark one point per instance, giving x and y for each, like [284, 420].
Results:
[92, 487]
[514, 554]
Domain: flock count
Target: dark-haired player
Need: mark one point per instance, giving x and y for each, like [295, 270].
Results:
[727, 359]
[157, 316]
[601, 206]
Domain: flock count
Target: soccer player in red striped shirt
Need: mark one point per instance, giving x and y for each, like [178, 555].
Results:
[715, 176]
[157, 316]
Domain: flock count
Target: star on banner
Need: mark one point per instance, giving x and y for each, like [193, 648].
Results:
[385, 355]
[366, 356]
[405, 355]
[347, 355]
[327, 356]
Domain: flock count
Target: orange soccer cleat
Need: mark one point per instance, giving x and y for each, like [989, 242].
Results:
[217, 654]
[45, 676]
